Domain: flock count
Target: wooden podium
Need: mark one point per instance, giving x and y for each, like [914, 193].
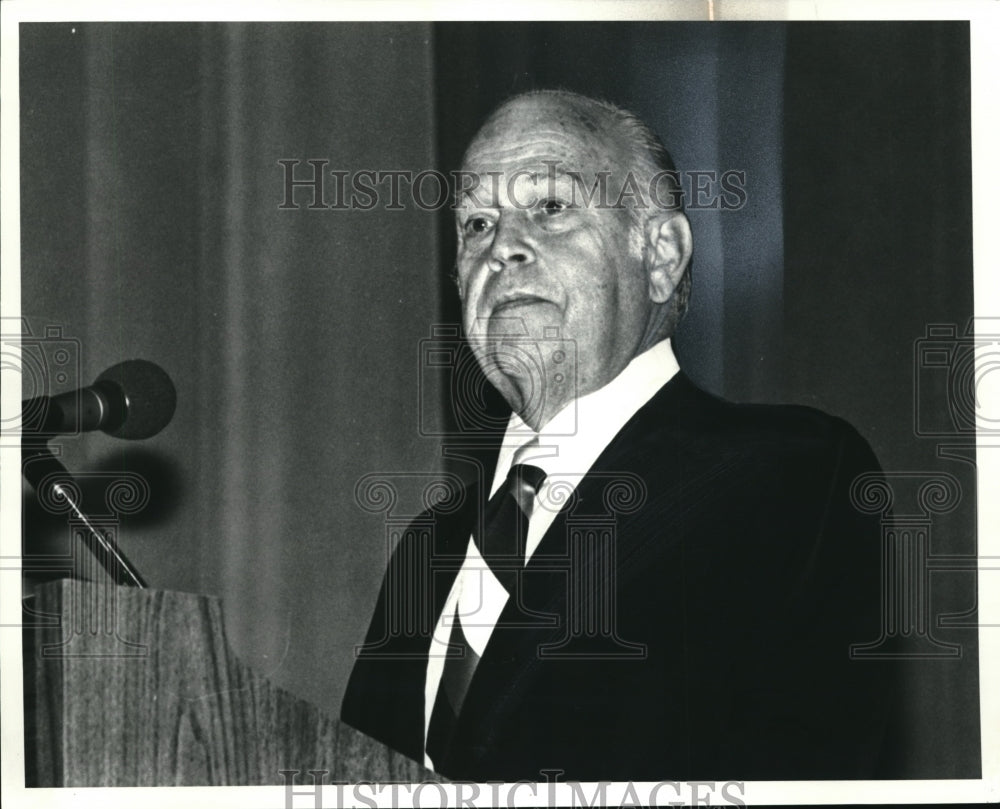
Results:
[131, 687]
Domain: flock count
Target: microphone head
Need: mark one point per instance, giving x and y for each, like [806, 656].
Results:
[150, 398]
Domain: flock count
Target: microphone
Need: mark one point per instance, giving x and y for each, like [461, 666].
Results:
[134, 399]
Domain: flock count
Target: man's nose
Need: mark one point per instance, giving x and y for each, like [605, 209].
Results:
[510, 248]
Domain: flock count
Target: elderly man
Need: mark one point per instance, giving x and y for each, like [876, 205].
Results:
[650, 583]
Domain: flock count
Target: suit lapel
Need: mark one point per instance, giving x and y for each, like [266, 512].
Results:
[511, 658]
[620, 467]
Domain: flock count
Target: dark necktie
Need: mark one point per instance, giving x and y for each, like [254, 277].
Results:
[502, 545]
[505, 523]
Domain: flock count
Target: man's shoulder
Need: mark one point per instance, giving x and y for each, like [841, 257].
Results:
[685, 415]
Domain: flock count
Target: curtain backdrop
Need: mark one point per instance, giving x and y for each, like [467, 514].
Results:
[297, 336]
[152, 229]
[878, 254]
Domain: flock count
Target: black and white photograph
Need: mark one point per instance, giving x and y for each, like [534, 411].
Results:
[413, 408]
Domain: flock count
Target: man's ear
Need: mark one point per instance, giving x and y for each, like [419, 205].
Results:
[668, 251]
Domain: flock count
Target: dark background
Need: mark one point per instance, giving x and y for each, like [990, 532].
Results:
[296, 338]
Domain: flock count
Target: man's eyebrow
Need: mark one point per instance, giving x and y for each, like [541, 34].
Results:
[469, 195]
[480, 195]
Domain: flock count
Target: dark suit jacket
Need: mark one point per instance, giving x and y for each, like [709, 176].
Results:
[740, 581]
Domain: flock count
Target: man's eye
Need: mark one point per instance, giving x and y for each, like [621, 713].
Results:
[477, 224]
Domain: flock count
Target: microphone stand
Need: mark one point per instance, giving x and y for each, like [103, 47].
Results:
[43, 471]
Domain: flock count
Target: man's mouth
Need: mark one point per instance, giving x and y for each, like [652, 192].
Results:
[516, 302]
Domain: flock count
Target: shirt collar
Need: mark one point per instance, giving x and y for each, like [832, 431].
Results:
[572, 440]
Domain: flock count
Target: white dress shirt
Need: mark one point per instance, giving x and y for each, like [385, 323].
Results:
[567, 447]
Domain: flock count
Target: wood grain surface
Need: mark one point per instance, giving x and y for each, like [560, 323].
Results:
[127, 687]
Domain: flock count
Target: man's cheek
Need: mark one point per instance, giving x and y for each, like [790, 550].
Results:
[477, 293]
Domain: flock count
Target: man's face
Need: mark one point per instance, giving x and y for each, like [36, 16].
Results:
[535, 267]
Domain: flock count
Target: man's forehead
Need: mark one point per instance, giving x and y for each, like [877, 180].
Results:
[533, 133]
